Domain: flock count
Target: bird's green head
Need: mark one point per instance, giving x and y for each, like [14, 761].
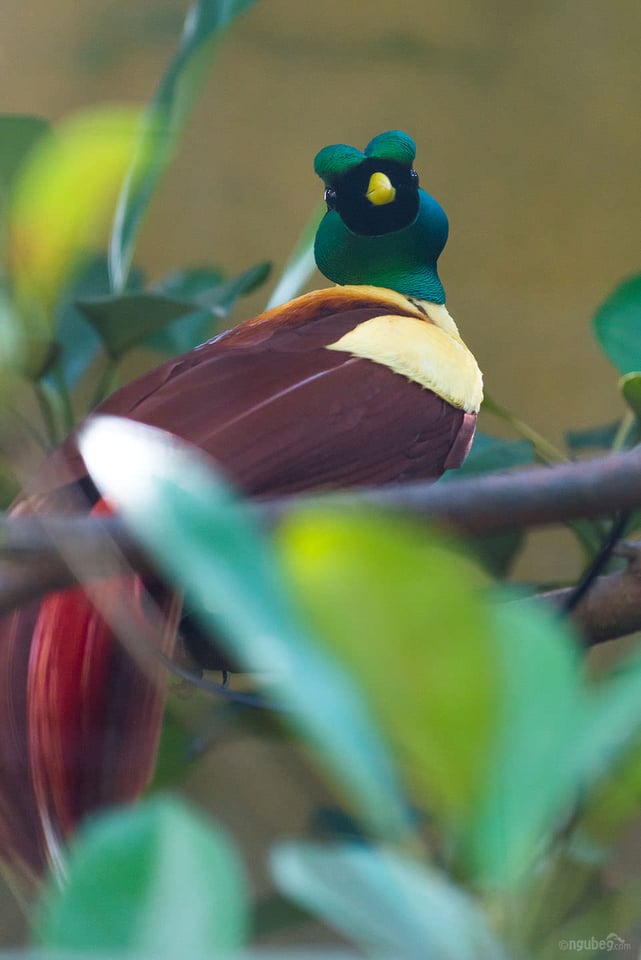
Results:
[380, 227]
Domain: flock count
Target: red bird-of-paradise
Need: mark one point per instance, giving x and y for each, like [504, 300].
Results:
[368, 382]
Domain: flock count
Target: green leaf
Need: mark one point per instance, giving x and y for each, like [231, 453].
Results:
[158, 879]
[536, 769]
[123, 322]
[616, 800]
[78, 342]
[558, 739]
[384, 902]
[18, 135]
[187, 284]
[182, 334]
[601, 437]
[166, 117]
[62, 198]
[404, 613]
[202, 286]
[614, 721]
[301, 264]
[489, 454]
[617, 326]
[187, 332]
[126, 321]
[496, 554]
[221, 298]
[630, 387]
[11, 341]
[205, 541]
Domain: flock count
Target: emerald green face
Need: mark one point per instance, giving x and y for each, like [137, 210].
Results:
[391, 239]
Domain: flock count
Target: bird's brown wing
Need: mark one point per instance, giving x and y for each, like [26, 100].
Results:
[282, 413]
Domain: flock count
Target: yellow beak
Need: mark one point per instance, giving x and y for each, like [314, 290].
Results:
[380, 190]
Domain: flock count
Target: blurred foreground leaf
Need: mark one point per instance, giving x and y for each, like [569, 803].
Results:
[384, 903]
[630, 387]
[404, 613]
[11, 343]
[204, 540]
[617, 326]
[560, 736]
[158, 879]
[614, 719]
[301, 264]
[534, 773]
[62, 199]
[18, 135]
[166, 117]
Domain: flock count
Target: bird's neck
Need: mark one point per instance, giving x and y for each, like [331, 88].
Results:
[377, 262]
[404, 260]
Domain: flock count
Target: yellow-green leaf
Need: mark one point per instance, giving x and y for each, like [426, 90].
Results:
[403, 612]
[630, 387]
[63, 199]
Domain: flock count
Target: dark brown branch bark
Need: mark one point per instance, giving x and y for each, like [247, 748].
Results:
[612, 606]
[496, 503]
[32, 547]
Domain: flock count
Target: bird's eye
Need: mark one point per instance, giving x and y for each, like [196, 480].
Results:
[414, 177]
[330, 198]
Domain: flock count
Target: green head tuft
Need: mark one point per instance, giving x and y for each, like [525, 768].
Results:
[393, 145]
[332, 162]
[380, 228]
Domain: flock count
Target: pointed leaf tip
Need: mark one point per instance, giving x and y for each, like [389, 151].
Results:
[617, 325]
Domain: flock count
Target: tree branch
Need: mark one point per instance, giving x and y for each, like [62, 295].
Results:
[499, 502]
[612, 606]
[32, 547]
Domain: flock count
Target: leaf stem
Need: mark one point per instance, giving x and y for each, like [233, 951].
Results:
[628, 420]
[106, 382]
[64, 398]
[48, 413]
[544, 449]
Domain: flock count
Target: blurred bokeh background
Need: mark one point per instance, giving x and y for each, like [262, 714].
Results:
[526, 118]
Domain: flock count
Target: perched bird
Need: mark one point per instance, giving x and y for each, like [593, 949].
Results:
[367, 382]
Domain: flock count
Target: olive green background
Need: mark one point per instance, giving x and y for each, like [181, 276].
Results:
[528, 126]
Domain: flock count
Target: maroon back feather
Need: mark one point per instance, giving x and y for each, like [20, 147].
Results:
[281, 413]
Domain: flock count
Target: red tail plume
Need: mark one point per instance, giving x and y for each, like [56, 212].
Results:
[86, 733]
